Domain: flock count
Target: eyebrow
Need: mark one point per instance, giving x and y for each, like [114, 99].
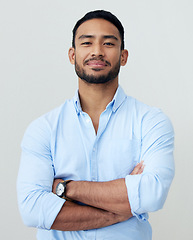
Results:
[105, 37]
[110, 36]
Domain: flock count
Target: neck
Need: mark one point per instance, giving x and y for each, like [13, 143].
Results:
[95, 97]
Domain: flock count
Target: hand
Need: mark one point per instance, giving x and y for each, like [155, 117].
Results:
[138, 169]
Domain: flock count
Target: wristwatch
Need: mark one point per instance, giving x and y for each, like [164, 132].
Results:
[61, 189]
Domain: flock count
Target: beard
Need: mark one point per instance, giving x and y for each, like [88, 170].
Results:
[92, 79]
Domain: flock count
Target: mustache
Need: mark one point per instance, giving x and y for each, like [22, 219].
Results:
[97, 59]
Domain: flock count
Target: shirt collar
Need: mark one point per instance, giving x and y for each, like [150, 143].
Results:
[76, 101]
[118, 99]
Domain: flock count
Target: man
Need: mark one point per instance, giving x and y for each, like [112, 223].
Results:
[94, 167]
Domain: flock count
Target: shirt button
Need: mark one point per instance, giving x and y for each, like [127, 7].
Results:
[94, 149]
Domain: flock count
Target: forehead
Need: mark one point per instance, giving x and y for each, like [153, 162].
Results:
[97, 27]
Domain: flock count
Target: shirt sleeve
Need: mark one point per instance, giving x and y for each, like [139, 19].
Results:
[37, 204]
[147, 192]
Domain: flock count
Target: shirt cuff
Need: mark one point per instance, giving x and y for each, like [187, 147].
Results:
[132, 183]
[50, 209]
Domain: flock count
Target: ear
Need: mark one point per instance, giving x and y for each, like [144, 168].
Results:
[124, 57]
[71, 55]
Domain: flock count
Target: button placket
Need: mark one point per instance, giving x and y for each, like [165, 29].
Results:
[94, 164]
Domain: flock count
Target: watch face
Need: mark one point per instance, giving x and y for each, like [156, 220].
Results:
[60, 189]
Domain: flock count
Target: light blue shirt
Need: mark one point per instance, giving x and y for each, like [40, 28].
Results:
[63, 144]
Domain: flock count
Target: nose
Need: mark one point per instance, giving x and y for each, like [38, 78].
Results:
[97, 50]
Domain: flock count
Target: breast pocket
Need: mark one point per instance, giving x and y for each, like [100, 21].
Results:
[121, 156]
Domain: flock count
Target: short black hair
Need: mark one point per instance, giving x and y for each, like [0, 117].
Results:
[103, 15]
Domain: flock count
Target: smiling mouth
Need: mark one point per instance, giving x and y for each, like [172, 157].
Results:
[97, 63]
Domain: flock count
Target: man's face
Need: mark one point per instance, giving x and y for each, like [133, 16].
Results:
[97, 55]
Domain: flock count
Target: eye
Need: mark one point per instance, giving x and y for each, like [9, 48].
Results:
[109, 44]
[86, 43]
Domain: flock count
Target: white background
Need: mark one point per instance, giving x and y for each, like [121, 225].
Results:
[35, 77]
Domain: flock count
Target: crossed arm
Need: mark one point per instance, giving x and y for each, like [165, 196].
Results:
[106, 204]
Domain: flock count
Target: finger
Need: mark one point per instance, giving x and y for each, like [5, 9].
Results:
[141, 169]
[138, 168]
